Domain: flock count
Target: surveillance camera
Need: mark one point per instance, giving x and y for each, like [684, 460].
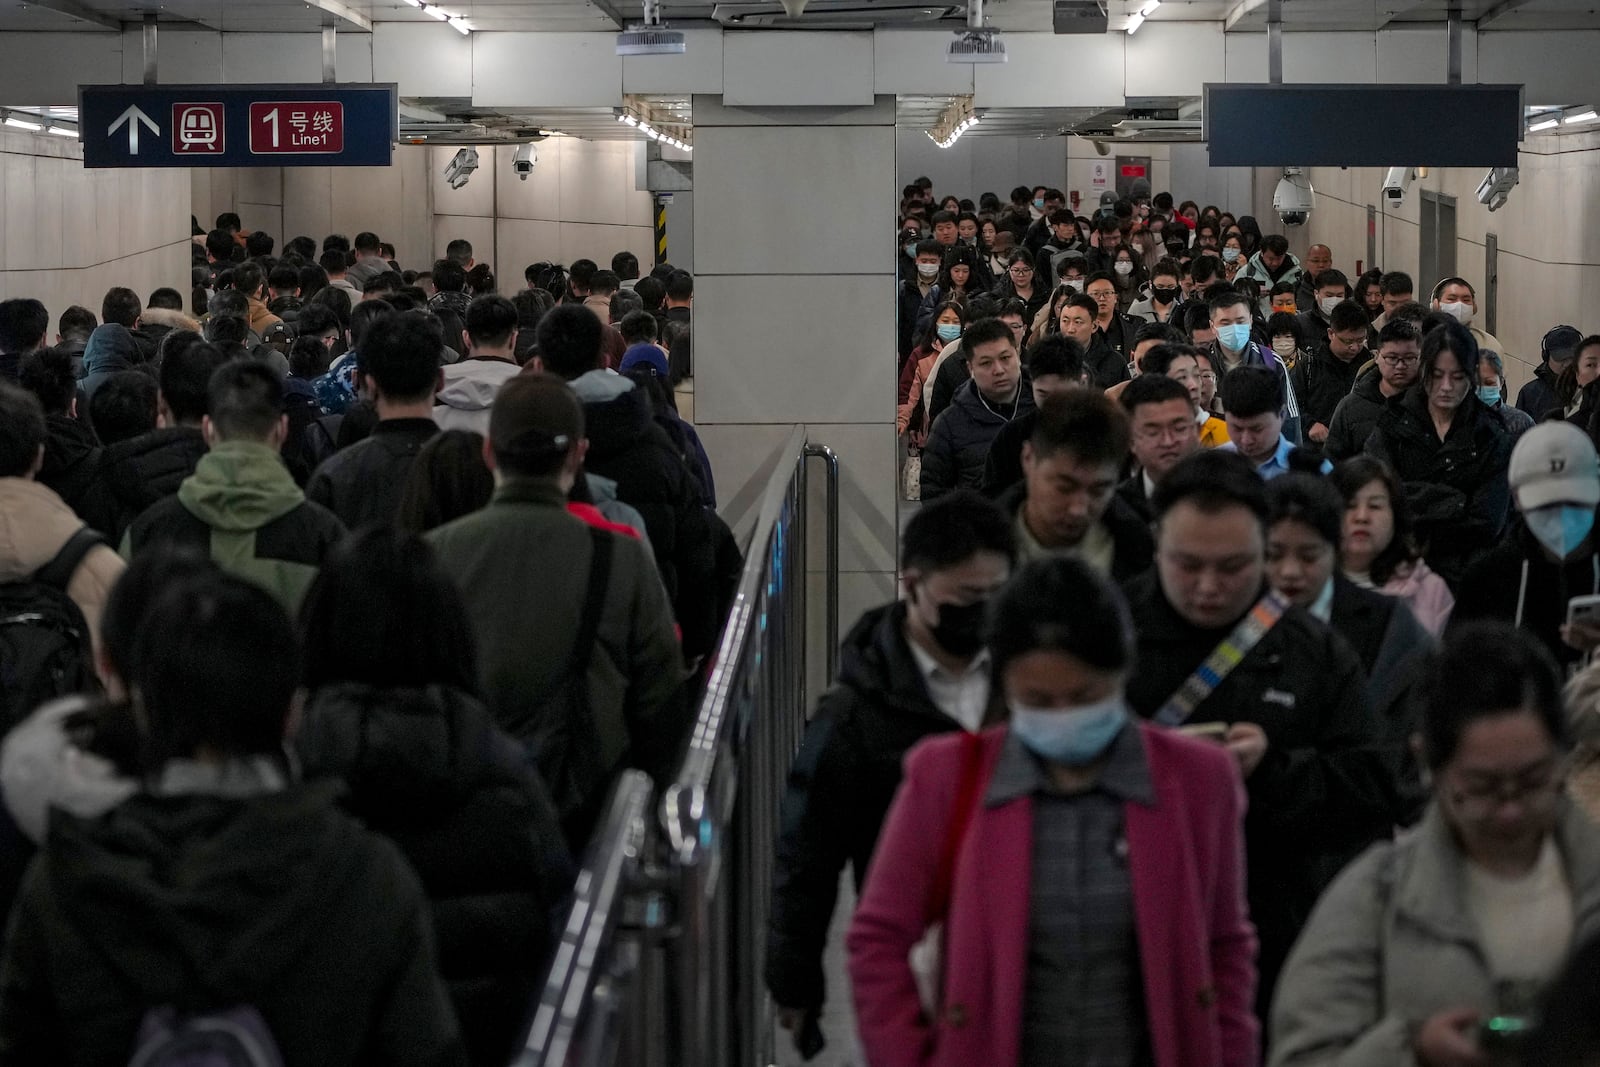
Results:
[460, 167]
[522, 163]
[1496, 187]
[1293, 198]
[1395, 183]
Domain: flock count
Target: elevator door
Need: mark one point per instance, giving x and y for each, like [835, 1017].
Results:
[1438, 253]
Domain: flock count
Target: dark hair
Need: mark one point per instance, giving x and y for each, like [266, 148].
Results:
[1167, 266]
[1054, 354]
[1288, 322]
[333, 261]
[1483, 670]
[185, 379]
[480, 280]
[227, 329]
[605, 283]
[367, 314]
[459, 251]
[1309, 500]
[953, 529]
[639, 327]
[121, 306]
[1158, 361]
[402, 354]
[281, 279]
[1348, 315]
[259, 243]
[308, 357]
[246, 400]
[625, 265]
[248, 279]
[124, 406]
[220, 245]
[680, 285]
[569, 341]
[1399, 330]
[383, 612]
[1276, 243]
[449, 276]
[336, 242]
[1397, 283]
[77, 323]
[1060, 605]
[304, 247]
[47, 374]
[581, 273]
[1084, 422]
[1249, 391]
[367, 241]
[447, 480]
[313, 280]
[1458, 340]
[166, 298]
[1203, 268]
[652, 292]
[1331, 276]
[22, 430]
[215, 666]
[933, 324]
[229, 220]
[491, 320]
[384, 283]
[315, 318]
[1354, 475]
[984, 331]
[940, 217]
[1151, 388]
[1078, 300]
[1212, 480]
[534, 425]
[156, 568]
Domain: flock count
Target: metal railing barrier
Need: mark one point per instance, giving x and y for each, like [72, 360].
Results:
[661, 963]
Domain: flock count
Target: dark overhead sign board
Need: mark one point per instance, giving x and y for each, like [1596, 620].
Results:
[1363, 125]
[238, 125]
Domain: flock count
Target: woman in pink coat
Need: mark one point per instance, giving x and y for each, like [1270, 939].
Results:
[1088, 869]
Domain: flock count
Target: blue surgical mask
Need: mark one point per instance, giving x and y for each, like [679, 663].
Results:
[1229, 255]
[910, 248]
[1489, 394]
[1070, 736]
[949, 331]
[1234, 336]
[1039, 204]
[1560, 528]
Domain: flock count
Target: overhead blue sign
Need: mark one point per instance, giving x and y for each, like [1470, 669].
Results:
[238, 125]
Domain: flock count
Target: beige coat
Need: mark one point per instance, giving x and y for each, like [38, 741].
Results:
[34, 525]
[1391, 944]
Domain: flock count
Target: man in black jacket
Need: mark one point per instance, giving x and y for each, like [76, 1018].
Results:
[1528, 578]
[1325, 377]
[1067, 504]
[364, 483]
[1356, 416]
[135, 474]
[1293, 712]
[997, 393]
[71, 451]
[1055, 364]
[908, 670]
[653, 477]
[1164, 432]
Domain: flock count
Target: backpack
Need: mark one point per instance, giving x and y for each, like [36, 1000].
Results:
[45, 651]
[237, 1037]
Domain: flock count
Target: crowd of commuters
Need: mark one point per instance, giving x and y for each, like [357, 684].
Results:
[1219, 719]
[289, 766]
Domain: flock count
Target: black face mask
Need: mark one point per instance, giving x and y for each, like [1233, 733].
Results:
[1163, 295]
[960, 628]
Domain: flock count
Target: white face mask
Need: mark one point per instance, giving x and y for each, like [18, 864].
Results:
[1328, 303]
[1283, 346]
[1075, 284]
[1123, 268]
[928, 270]
[1461, 312]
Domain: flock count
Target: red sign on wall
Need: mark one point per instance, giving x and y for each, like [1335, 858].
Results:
[1134, 171]
[300, 127]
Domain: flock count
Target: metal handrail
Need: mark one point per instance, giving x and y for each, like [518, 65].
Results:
[598, 898]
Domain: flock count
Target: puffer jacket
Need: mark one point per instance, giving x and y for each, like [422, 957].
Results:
[841, 784]
[1539, 397]
[629, 448]
[1457, 487]
[71, 457]
[430, 770]
[34, 526]
[137, 473]
[468, 393]
[1321, 381]
[242, 508]
[958, 447]
[1392, 943]
[1356, 417]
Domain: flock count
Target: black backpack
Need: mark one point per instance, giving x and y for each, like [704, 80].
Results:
[45, 650]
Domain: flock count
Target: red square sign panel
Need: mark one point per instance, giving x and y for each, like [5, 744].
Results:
[300, 127]
[198, 130]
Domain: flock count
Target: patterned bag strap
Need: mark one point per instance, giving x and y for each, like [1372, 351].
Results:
[1223, 659]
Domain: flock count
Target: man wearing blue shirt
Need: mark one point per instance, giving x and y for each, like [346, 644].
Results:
[1252, 400]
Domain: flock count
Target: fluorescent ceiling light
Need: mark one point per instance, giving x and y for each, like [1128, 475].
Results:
[23, 124]
[1134, 22]
[1544, 124]
[1586, 115]
[442, 16]
[413, 3]
[459, 22]
[61, 131]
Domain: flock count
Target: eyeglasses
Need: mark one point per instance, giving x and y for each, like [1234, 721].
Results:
[1480, 796]
[1020, 269]
[1177, 431]
[1208, 376]
[1400, 361]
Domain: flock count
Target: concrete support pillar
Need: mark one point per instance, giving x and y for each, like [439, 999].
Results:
[794, 318]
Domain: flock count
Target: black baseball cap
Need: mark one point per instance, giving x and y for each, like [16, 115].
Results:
[1561, 343]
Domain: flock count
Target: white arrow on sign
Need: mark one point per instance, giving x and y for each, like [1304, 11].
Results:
[132, 118]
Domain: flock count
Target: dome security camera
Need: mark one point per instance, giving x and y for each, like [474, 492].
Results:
[524, 159]
[1294, 197]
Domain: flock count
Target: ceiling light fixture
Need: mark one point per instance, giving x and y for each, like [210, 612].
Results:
[652, 37]
[23, 124]
[429, 9]
[61, 131]
[1544, 124]
[977, 44]
[1586, 114]
[459, 24]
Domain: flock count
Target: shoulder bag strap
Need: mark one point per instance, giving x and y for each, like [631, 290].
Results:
[59, 571]
[594, 601]
[1223, 659]
[960, 818]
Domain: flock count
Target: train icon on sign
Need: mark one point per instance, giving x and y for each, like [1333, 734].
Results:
[198, 129]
